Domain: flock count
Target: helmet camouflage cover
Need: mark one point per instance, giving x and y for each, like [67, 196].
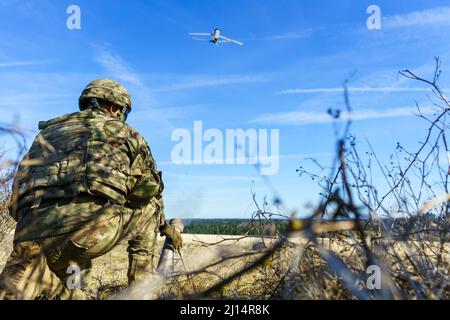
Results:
[108, 90]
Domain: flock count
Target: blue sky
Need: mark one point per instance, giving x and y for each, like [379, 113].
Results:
[295, 57]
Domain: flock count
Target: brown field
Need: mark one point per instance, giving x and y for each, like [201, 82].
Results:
[296, 271]
[202, 252]
[211, 258]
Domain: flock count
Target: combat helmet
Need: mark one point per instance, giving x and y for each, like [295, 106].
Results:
[108, 90]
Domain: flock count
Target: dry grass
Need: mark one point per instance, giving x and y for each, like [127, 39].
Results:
[6, 222]
[296, 271]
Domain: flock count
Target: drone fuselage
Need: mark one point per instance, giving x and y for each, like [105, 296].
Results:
[215, 35]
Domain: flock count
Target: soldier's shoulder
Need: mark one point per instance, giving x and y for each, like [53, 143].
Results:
[60, 119]
[142, 143]
[128, 130]
[134, 133]
[137, 141]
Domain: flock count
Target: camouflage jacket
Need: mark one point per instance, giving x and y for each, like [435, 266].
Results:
[87, 153]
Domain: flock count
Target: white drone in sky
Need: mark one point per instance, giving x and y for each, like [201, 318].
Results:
[215, 37]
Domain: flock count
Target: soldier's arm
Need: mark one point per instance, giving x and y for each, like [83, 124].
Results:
[164, 227]
[146, 181]
[146, 198]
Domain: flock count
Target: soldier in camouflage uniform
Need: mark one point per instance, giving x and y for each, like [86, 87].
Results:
[88, 181]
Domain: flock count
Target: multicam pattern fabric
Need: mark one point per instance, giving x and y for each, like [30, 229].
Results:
[40, 267]
[88, 152]
[88, 182]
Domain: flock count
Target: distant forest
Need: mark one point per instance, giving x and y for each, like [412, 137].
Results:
[396, 226]
[234, 226]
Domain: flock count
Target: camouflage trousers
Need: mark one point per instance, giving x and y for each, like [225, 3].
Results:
[57, 264]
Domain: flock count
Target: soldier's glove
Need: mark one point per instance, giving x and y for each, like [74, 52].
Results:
[173, 235]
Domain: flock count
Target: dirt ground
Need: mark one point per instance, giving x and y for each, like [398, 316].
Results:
[109, 271]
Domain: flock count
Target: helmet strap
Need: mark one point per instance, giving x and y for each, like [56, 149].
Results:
[94, 104]
[125, 112]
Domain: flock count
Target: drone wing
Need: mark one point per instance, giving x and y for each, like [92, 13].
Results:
[200, 39]
[199, 34]
[225, 39]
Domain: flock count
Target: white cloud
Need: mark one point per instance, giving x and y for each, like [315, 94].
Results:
[117, 67]
[209, 178]
[303, 156]
[148, 106]
[21, 63]
[434, 16]
[20, 91]
[302, 118]
[205, 81]
[355, 90]
[282, 158]
[36, 99]
[303, 34]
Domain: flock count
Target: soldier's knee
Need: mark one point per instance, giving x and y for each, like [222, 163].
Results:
[26, 250]
[24, 262]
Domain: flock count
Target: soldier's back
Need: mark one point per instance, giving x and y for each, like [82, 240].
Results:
[80, 155]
